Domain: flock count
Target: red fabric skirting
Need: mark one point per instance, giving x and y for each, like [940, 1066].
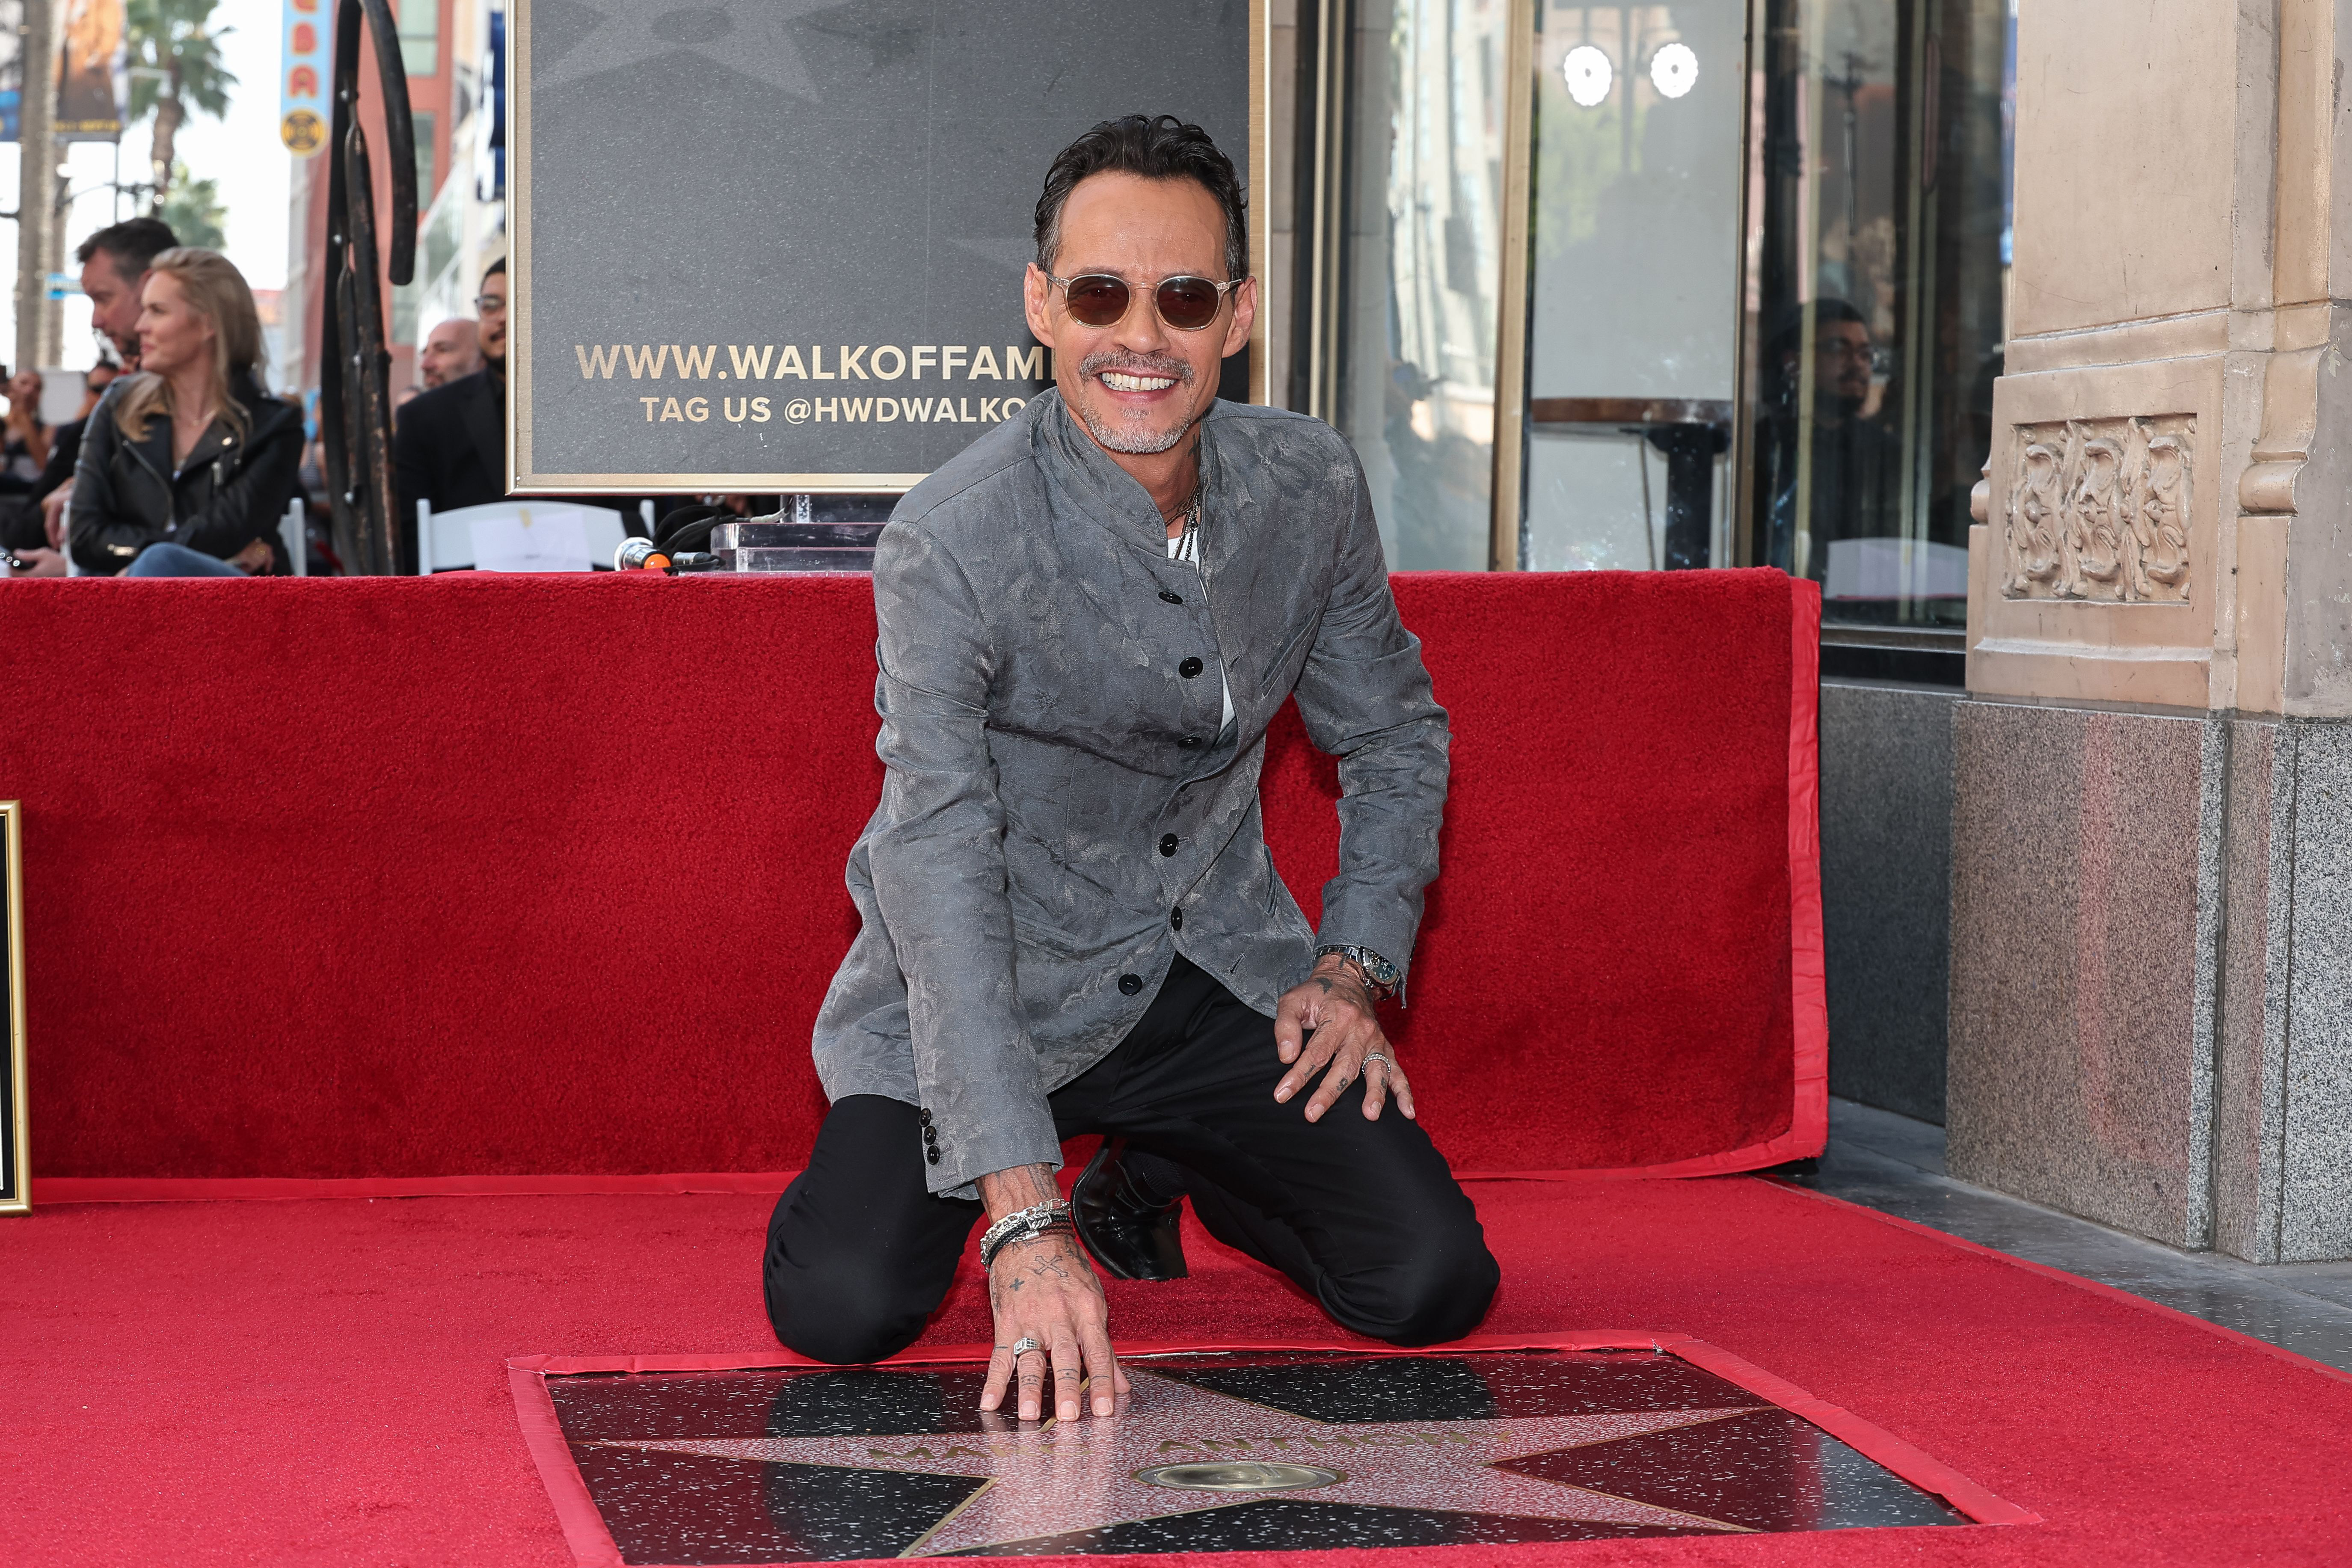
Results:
[443, 883]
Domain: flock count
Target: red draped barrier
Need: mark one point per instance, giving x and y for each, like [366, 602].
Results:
[483, 877]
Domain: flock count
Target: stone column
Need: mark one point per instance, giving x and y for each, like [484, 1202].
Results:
[2151, 1015]
[36, 154]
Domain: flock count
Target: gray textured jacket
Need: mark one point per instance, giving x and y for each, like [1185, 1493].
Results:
[1058, 786]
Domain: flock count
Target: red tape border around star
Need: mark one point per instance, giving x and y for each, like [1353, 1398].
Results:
[1808, 1113]
[593, 1546]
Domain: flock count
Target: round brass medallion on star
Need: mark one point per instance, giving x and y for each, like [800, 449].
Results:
[1242, 1476]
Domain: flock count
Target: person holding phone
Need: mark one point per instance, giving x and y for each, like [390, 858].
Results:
[187, 466]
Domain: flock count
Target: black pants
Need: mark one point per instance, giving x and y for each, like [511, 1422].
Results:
[1363, 1215]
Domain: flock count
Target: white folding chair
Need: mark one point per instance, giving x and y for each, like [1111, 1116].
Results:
[291, 531]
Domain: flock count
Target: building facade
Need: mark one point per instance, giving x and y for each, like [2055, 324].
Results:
[2152, 910]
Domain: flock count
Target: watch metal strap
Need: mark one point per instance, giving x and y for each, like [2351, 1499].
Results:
[1378, 972]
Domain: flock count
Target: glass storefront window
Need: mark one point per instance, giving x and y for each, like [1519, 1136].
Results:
[1763, 247]
[1878, 296]
[1633, 285]
[1416, 385]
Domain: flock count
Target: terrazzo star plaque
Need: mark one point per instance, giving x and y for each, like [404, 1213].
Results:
[1210, 1453]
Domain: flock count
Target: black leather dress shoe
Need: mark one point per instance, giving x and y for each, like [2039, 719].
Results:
[1130, 1231]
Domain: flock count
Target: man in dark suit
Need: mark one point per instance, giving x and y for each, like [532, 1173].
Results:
[449, 446]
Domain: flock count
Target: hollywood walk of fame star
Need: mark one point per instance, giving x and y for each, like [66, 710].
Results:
[1056, 1479]
[748, 37]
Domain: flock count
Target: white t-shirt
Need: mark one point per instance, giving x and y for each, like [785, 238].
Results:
[1186, 547]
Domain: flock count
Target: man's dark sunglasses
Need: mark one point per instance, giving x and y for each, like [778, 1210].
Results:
[1101, 298]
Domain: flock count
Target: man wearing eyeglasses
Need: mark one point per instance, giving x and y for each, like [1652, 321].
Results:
[1852, 478]
[1071, 921]
[449, 446]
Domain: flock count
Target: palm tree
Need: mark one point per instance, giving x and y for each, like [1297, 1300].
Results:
[195, 210]
[175, 61]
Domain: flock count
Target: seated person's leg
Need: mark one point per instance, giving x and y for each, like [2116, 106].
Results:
[178, 561]
[859, 1252]
[1363, 1215]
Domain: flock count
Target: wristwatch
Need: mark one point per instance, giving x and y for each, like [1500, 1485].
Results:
[1378, 972]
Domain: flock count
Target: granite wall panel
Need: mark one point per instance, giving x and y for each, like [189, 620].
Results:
[2249, 1073]
[1887, 846]
[2316, 1197]
[2085, 912]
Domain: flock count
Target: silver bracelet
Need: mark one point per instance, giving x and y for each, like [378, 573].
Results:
[1026, 1225]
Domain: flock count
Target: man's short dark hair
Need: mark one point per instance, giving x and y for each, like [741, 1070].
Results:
[494, 269]
[1788, 332]
[1155, 147]
[132, 245]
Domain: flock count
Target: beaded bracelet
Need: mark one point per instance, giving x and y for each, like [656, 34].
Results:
[1026, 1226]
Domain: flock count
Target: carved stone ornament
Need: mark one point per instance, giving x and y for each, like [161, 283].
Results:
[2098, 509]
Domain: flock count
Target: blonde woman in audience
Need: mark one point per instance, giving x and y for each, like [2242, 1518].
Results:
[187, 466]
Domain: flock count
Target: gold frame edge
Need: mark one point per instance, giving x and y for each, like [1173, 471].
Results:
[12, 824]
[1511, 301]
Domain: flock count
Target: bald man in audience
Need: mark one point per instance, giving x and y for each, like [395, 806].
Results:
[453, 349]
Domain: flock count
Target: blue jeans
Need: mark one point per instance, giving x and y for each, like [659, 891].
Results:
[178, 561]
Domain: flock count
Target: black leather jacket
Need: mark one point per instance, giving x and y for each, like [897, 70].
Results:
[233, 489]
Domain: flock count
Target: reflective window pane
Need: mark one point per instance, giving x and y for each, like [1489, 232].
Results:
[1634, 282]
[1879, 297]
[1417, 387]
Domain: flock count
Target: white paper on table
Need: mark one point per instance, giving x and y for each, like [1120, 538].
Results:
[525, 540]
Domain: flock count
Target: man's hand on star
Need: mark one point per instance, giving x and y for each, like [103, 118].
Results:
[1042, 1290]
[1329, 1021]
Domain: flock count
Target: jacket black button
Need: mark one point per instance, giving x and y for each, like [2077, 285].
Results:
[1171, 598]
[926, 1116]
[1176, 918]
[1131, 983]
[1189, 741]
[1168, 844]
[931, 1153]
[1190, 668]
[930, 1134]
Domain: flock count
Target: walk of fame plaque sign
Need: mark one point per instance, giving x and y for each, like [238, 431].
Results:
[777, 245]
[1220, 1452]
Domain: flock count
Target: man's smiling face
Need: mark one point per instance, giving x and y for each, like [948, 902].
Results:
[1138, 384]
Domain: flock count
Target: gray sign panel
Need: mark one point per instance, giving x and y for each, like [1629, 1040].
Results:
[777, 244]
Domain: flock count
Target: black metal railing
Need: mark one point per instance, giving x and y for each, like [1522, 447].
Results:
[355, 371]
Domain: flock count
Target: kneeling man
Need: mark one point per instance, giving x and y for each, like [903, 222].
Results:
[1071, 922]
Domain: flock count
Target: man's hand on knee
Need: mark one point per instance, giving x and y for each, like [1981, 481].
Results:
[1331, 1021]
[1049, 1307]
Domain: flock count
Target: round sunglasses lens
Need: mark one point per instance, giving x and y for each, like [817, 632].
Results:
[1097, 301]
[1188, 302]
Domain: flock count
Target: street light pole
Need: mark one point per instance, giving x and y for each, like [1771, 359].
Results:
[37, 173]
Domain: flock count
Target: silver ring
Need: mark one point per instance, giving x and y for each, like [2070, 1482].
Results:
[1023, 1345]
[1371, 1057]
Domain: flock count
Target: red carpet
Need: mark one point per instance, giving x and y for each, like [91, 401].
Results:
[538, 875]
[324, 1382]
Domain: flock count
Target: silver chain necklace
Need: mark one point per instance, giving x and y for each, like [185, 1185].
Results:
[1187, 546]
